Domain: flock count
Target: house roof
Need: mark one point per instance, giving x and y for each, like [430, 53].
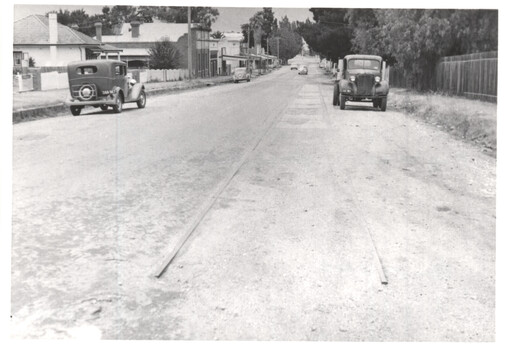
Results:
[149, 32]
[233, 36]
[34, 30]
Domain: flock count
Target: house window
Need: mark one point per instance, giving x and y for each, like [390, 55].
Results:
[18, 57]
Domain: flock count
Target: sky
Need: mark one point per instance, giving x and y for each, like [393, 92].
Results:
[230, 18]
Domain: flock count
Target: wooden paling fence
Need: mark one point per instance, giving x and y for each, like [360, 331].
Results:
[473, 76]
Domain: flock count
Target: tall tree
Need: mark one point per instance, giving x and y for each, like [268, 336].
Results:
[330, 34]
[164, 55]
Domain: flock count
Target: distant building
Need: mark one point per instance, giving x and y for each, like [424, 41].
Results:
[230, 51]
[50, 43]
[136, 39]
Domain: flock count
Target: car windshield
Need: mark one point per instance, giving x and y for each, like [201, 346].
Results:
[240, 70]
[364, 64]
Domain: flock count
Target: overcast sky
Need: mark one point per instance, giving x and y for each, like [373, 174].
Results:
[230, 18]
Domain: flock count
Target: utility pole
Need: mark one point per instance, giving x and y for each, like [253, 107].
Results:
[248, 50]
[189, 43]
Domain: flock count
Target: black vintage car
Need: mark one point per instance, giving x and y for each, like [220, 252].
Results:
[360, 78]
[104, 84]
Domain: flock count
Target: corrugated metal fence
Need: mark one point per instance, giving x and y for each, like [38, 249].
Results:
[473, 76]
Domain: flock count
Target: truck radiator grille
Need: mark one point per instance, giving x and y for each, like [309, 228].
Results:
[364, 84]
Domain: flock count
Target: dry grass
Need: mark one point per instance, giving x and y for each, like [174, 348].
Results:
[471, 120]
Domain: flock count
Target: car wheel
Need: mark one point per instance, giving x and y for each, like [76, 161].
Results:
[104, 107]
[75, 110]
[383, 104]
[336, 95]
[141, 102]
[235, 81]
[248, 80]
[118, 107]
[342, 101]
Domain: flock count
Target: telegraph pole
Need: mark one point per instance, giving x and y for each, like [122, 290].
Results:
[248, 50]
[189, 43]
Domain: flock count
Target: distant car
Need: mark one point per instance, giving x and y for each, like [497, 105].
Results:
[303, 70]
[294, 66]
[240, 74]
[104, 84]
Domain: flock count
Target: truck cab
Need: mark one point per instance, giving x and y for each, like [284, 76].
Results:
[361, 78]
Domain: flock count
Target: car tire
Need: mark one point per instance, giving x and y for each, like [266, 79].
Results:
[141, 101]
[118, 107]
[383, 104]
[336, 95]
[235, 81]
[75, 110]
[342, 101]
[248, 80]
[104, 107]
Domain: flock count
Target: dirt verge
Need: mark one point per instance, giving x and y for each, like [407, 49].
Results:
[471, 120]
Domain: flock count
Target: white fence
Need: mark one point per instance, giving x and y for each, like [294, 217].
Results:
[22, 82]
[54, 80]
[154, 75]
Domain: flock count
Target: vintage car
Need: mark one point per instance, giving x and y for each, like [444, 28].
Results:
[303, 70]
[360, 78]
[104, 84]
[239, 74]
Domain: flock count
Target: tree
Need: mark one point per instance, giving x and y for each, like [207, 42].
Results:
[217, 35]
[285, 43]
[205, 16]
[164, 55]
[260, 27]
[330, 35]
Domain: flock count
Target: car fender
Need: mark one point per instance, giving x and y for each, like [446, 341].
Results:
[344, 85]
[382, 88]
[117, 90]
[135, 91]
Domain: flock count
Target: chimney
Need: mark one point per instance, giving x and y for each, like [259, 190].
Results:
[98, 31]
[53, 38]
[53, 29]
[135, 28]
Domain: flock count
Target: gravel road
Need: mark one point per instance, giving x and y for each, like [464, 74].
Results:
[293, 248]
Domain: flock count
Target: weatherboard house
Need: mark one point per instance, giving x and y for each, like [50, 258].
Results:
[136, 39]
[50, 43]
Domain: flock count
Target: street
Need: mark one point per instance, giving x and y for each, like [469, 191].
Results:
[339, 225]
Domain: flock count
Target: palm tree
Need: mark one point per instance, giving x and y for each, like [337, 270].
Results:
[256, 23]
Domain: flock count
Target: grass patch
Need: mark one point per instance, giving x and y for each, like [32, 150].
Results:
[470, 120]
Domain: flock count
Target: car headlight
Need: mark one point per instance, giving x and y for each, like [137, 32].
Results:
[352, 78]
[377, 79]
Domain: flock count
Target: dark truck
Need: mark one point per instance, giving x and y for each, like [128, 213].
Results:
[360, 78]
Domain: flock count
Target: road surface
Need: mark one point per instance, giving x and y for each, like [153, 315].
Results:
[325, 205]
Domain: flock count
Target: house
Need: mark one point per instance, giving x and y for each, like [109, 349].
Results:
[50, 43]
[136, 39]
[229, 48]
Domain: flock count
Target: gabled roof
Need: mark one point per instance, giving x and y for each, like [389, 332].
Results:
[149, 32]
[233, 36]
[34, 30]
